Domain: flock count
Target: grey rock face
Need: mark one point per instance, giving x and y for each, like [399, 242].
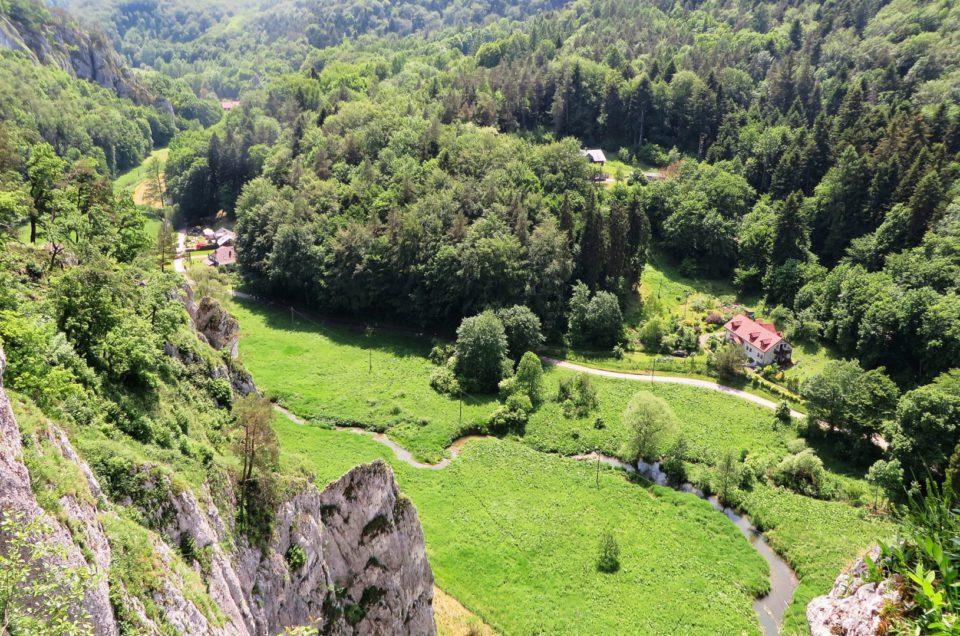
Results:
[16, 497]
[365, 569]
[83, 54]
[217, 325]
[853, 606]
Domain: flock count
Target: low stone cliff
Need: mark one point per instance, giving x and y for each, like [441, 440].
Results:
[364, 568]
[854, 606]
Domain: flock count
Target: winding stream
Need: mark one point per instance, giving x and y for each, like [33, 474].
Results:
[770, 609]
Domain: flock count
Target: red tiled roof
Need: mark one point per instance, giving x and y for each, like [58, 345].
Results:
[762, 335]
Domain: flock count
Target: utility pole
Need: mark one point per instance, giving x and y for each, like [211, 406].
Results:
[461, 407]
[597, 453]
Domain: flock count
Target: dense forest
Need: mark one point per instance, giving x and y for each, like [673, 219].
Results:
[427, 181]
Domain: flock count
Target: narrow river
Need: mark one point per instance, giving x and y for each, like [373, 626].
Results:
[770, 609]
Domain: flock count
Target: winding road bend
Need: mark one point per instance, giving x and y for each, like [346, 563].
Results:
[669, 379]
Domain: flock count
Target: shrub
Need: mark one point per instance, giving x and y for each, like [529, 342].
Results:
[481, 351]
[221, 391]
[795, 446]
[729, 361]
[445, 382]
[506, 420]
[520, 402]
[522, 328]
[441, 353]
[579, 393]
[608, 557]
[782, 413]
[529, 377]
[673, 464]
[715, 319]
[295, 557]
[802, 473]
[653, 332]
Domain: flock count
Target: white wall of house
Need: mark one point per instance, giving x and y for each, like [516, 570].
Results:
[757, 357]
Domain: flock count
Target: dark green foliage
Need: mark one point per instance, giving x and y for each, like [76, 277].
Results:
[375, 527]
[608, 554]
[728, 361]
[522, 328]
[594, 321]
[802, 473]
[481, 352]
[926, 558]
[577, 395]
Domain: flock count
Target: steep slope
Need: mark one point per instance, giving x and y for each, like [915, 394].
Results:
[363, 568]
[51, 38]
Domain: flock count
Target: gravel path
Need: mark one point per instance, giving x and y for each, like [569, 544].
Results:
[669, 379]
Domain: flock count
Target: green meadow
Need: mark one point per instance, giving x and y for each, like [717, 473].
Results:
[513, 535]
[502, 519]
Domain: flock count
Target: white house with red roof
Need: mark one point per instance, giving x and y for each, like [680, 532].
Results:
[761, 341]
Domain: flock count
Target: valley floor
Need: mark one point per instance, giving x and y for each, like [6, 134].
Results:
[512, 528]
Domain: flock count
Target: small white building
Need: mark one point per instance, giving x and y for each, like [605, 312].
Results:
[761, 341]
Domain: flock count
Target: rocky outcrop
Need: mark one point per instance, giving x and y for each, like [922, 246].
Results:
[365, 570]
[349, 559]
[216, 324]
[16, 497]
[58, 41]
[854, 606]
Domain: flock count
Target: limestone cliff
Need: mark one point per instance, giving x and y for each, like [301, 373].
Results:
[51, 38]
[854, 606]
[363, 568]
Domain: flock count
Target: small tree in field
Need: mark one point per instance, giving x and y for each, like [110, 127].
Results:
[481, 351]
[729, 361]
[39, 593]
[255, 443]
[649, 422]
[608, 558]
[726, 478]
[529, 377]
[782, 414]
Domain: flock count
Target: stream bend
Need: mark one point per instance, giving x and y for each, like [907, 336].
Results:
[770, 609]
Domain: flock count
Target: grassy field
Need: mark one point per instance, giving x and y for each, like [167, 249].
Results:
[322, 372]
[342, 375]
[711, 422]
[130, 179]
[818, 538]
[663, 286]
[513, 535]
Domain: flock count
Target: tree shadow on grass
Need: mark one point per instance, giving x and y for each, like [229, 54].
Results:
[397, 341]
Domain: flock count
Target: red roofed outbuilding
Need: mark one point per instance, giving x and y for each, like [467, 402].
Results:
[761, 341]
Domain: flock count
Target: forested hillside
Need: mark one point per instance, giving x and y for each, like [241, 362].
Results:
[814, 148]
